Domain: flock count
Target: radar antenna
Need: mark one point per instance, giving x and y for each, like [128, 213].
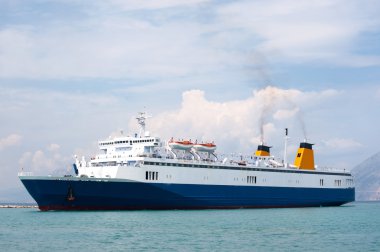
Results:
[141, 117]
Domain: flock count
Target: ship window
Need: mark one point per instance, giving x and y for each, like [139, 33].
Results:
[338, 182]
[251, 179]
[349, 182]
[151, 175]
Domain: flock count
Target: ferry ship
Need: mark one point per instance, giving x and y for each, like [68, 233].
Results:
[144, 172]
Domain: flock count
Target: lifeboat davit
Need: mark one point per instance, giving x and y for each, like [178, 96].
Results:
[180, 145]
[205, 147]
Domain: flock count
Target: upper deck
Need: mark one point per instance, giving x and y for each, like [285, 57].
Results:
[143, 149]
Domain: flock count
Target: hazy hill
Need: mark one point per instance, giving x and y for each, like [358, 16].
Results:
[367, 178]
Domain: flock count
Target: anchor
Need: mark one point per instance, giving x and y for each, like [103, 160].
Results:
[70, 195]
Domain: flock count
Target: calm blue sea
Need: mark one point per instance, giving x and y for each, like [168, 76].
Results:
[353, 227]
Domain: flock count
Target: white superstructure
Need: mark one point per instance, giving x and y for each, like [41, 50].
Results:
[146, 158]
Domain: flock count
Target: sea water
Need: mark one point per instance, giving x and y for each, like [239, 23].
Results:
[353, 227]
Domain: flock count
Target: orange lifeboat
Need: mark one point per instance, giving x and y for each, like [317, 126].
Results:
[180, 145]
[205, 147]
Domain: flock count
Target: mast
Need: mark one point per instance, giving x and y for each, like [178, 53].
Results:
[141, 117]
[285, 148]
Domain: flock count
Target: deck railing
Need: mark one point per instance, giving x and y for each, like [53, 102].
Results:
[23, 173]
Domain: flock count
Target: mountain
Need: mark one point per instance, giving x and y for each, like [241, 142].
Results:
[367, 178]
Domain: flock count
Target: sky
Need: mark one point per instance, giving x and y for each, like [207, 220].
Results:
[235, 72]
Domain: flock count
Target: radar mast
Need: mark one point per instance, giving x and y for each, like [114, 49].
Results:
[141, 117]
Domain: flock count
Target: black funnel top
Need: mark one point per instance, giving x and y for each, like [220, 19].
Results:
[263, 148]
[306, 145]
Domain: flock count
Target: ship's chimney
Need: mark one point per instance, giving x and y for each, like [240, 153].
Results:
[262, 150]
[305, 157]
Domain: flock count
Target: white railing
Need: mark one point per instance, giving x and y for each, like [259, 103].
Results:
[23, 173]
[331, 169]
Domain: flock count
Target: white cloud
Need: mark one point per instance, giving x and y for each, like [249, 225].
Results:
[53, 147]
[40, 161]
[304, 31]
[45, 162]
[234, 124]
[342, 143]
[113, 47]
[11, 140]
[25, 158]
[185, 41]
[149, 4]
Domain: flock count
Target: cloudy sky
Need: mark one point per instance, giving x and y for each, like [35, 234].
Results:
[72, 72]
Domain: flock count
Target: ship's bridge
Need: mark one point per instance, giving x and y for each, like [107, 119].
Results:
[129, 144]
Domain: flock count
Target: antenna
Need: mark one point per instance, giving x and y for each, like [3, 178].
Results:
[141, 117]
[285, 148]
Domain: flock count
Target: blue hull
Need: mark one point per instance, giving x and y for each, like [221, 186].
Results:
[67, 194]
